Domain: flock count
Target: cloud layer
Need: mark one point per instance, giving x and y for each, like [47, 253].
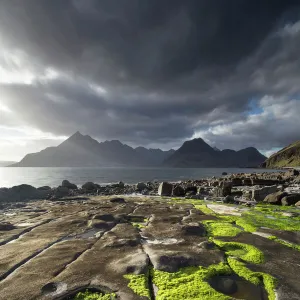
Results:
[151, 72]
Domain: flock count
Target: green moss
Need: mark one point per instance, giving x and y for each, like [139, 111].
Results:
[221, 228]
[138, 225]
[240, 221]
[257, 278]
[245, 252]
[87, 295]
[139, 284]
[189, 283]
[204, 209]
[285, 243]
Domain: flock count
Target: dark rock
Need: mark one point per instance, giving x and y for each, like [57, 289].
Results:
[198, 230]
[105, 217]
[275, 198]
[69, 185]
[90, 186]
[61, 191]
[207, 245]
[141, 186]
[102, 225]
[178, 191]
[121, 184]
[229, 199]
[191, 190]
[224, 285]
[224, 173]
[117, 200]
[165, 189]
[6, 226]
[290, 199]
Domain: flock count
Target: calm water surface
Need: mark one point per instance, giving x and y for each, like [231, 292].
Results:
[54, 176]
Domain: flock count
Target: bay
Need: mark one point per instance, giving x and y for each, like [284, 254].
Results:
[54, 176]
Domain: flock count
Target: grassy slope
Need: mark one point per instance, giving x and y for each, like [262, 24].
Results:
[286, 157]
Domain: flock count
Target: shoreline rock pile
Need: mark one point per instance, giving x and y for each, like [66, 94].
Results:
[280, 188]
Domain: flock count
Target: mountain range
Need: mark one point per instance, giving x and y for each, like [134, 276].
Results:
[83, 151]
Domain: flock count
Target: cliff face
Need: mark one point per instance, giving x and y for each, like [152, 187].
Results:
[286, 157]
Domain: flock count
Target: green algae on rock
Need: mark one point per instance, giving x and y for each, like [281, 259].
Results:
[87, 295]
[243, 251]
[139, 284]
[257, 278]
[283, 242]
[250, 254]
[221, 228]
[189, 283]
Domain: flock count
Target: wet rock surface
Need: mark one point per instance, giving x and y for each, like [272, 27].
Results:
[124, 246]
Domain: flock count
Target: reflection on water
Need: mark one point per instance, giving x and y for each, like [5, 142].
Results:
[54, 176]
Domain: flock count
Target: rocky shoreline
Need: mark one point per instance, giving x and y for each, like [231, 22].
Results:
[208, 239]
[280, 188]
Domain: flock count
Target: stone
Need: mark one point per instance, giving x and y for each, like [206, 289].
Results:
[191, 190]
[290, 199]
[207, 245]
[165, 189]
[141, 186]
[224, 173]
[229, 199]
[6, 226]
[117, 200]
[178, 191]
[69, 185]
[275, 198]
[105, 217]
[261, 193]
[222, 191]
[224, 285]
[297, 204]
[90, 186]
[121, 184]
[61, 191]
[101, 225]
[236, 181]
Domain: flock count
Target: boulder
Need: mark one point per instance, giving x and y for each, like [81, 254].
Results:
[224, 173]
[228, 199]
[275, 198]
[69, 185]
[297, 204]
[90, 186]
[165, 189]
[121, 185]
[236, 181]
[191, 190]
[117, 200]
[6, 226]
[224, 285]
[259, 194]
[290, 199]
[141, 186]
[178, 191]
[61, 192]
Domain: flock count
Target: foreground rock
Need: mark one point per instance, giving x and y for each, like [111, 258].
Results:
[117, 246]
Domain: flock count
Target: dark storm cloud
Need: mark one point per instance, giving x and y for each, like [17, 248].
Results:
[170, 67]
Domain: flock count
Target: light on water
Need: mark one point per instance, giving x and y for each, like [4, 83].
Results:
[54, 176]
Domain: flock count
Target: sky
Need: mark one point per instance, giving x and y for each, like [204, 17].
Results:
[149, 72]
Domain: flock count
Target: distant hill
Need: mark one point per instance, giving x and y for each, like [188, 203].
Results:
[83, 151]
[6, 163]
[286, 157]
[197, 153]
